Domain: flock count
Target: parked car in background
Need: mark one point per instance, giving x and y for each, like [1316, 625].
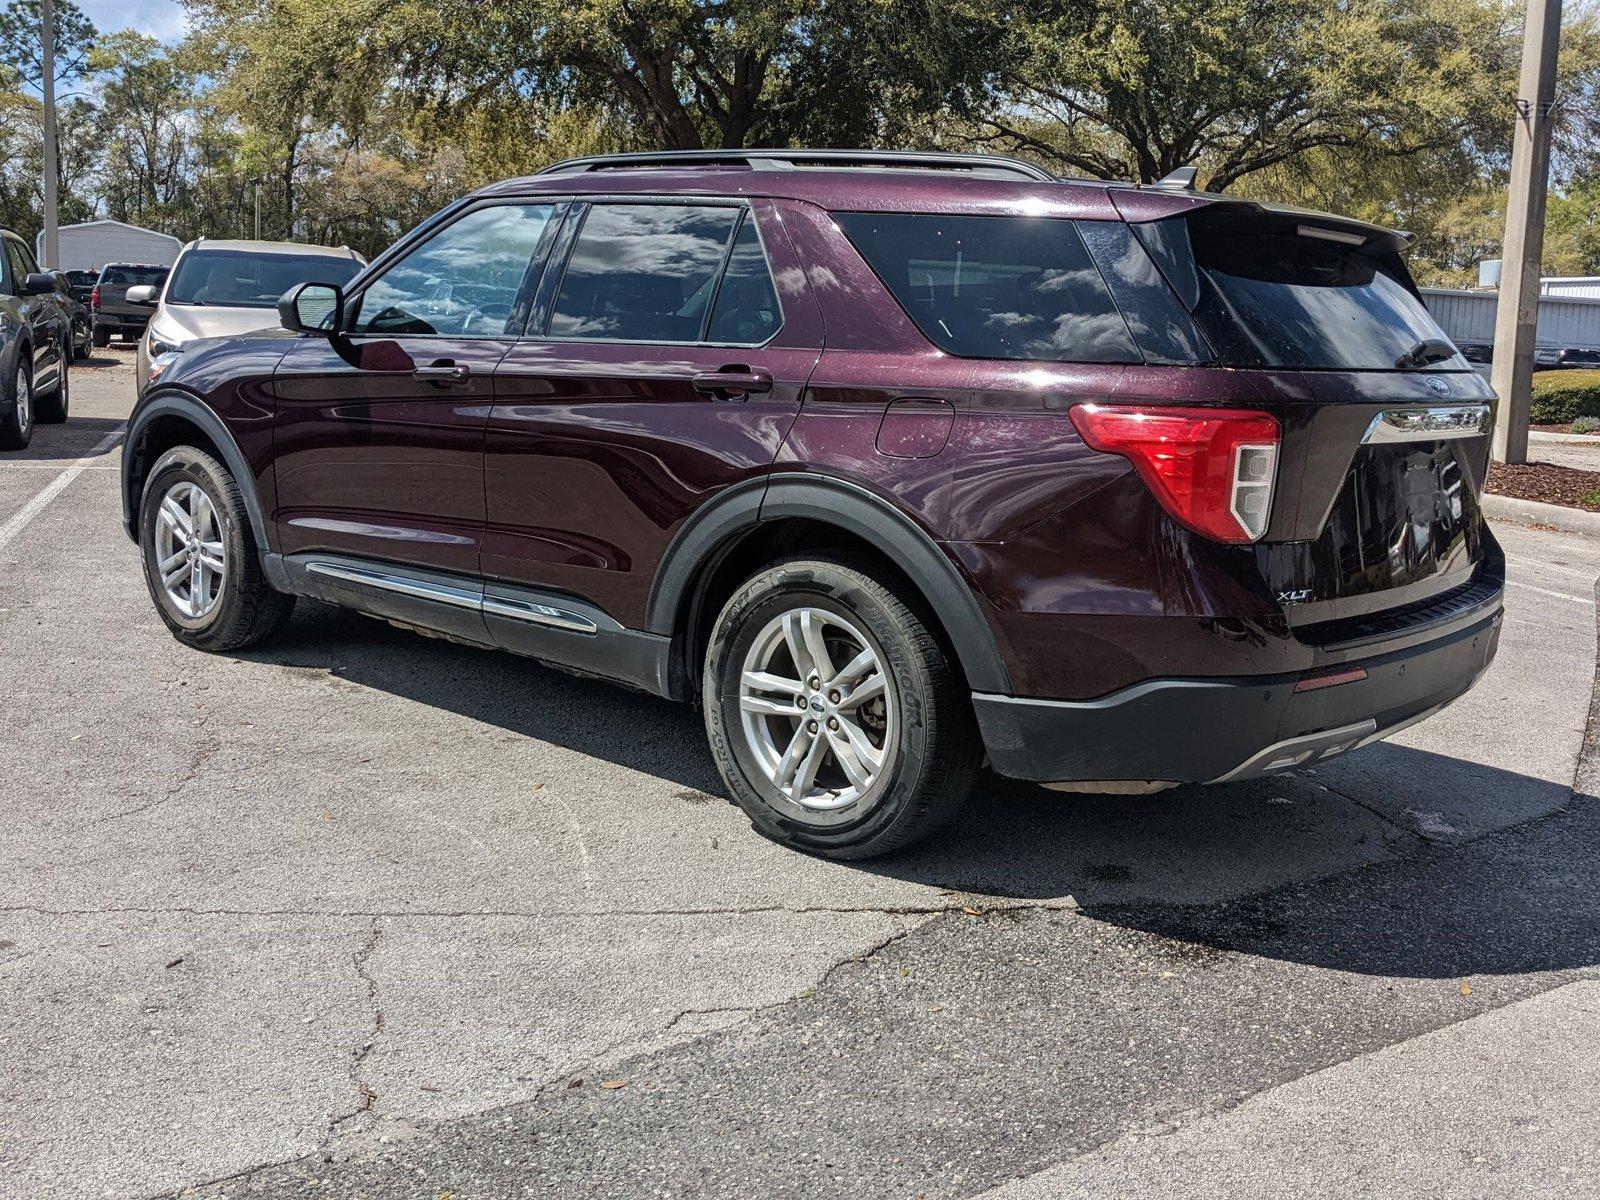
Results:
[219, 288]
[113, 315]
[33, 362]
[893, 462]
[78, 322]
[1577, 356]
[82, 284]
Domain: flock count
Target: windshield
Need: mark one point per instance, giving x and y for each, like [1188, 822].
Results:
[134, 276]
[240, 279]
[1272, 295]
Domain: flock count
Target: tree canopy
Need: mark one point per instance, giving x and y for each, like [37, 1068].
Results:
[356, 118]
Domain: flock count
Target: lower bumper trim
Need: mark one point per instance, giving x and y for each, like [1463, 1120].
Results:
[1215, 730]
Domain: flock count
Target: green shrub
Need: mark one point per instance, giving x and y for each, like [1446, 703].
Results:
[1586, 425]
[1560, 397]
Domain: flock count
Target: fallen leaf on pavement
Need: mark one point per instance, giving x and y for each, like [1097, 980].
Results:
[1466, 989]
[612, 1085]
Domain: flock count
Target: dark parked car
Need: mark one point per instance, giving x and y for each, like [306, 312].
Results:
[33, 361]
[82, 284]
[890, 469]
[77, 325]
[113, 314]
[1582, 357]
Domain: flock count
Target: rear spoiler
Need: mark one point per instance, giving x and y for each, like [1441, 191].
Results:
[1139, 205]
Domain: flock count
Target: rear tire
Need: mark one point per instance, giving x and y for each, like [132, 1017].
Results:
[201, 561]
[52, 409]
[101, 336]
[16, 409]
[889, 770]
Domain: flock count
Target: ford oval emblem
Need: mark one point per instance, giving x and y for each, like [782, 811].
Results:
[1441, 386]
[816, 704]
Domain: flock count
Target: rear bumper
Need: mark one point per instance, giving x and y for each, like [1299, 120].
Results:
[122, 320]
[1212, 730]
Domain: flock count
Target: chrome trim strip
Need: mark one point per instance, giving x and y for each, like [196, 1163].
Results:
[1427, 424]
[497, 606]
[458, 597]
[537, 614]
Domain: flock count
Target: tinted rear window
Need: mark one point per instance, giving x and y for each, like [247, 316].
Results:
[1272, 296]
[134, 276]
[995, 287]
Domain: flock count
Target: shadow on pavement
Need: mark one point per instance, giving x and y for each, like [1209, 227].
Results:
[71, 440]
[1167, 863]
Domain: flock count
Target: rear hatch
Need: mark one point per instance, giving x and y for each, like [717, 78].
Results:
[1385, 434]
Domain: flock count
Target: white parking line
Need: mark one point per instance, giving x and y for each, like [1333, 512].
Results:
[1589, 600]
[14, 527]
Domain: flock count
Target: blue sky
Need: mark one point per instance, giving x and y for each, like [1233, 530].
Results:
[159, 18]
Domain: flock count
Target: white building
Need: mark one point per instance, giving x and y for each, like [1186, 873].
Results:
[92, 244]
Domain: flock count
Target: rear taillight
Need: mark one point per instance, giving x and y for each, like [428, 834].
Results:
[1211, 468]
[94, 298]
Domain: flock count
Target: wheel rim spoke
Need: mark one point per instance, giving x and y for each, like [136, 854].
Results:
[811, 630]
[772, 708]
[807, 773]
[854, 669]
[766, 681]
[869, 689]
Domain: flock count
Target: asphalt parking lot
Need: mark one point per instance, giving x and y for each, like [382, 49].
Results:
[367, 914]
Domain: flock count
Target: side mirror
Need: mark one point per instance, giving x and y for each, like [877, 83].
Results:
[38, 283]
[313, 308]
[142, 293]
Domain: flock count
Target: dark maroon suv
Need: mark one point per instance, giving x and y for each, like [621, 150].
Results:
[894, 463]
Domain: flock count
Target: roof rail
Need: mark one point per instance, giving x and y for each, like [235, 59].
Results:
[782, 160]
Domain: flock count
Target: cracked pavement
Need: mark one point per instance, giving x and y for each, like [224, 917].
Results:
[367, 914]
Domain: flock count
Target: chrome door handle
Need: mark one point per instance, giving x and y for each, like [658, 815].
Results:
[443, 374]
[733, 385]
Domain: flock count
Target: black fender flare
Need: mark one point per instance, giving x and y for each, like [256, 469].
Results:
[181, 404]
[855, 510]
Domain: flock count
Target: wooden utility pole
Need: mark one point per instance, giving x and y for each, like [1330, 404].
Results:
[47, 35]
[1517, 313]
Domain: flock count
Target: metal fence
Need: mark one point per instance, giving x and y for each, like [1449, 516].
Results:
[1468, 316]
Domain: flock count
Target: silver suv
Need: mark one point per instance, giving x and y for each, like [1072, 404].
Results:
[222, 288]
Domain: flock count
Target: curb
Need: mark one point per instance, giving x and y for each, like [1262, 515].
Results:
[1580, 439]
[1533, 512]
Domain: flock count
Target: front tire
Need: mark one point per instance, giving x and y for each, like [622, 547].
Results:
[201, 561]
[52, 409]
[834, 714]
[16, 411]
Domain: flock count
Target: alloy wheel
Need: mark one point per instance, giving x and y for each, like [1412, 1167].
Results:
[191, 554]
[817, 708]
[24, 402]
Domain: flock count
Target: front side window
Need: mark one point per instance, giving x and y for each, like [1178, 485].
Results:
[995, 287]
[464, 281]
[239, 279]
[643, 272]
[16, 269]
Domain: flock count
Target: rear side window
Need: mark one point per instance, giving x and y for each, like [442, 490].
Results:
[1273, 296]
[643, 272]
[746, 311]
[995, 287]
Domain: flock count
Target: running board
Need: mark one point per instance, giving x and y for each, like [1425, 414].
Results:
[562, 631]
[501, 606]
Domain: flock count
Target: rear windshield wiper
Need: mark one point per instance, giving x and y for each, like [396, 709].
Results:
[1425, 354]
